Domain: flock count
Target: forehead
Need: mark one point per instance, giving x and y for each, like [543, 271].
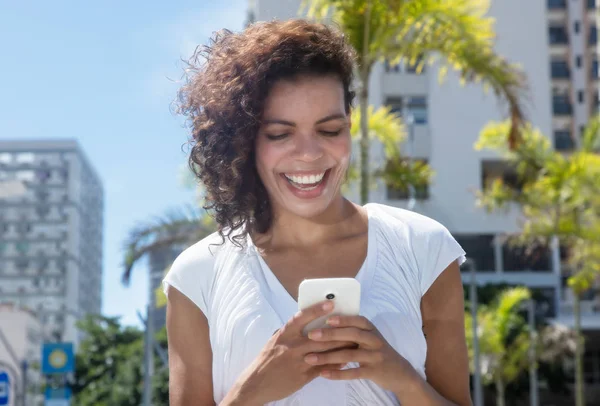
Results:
[304, 94]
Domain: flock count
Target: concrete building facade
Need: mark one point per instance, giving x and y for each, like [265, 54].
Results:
[51, 233]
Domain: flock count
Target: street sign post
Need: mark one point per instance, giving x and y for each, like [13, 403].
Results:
[4, 388]
[58, 358]
[57, 397]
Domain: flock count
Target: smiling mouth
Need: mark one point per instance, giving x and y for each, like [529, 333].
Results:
[306, 182]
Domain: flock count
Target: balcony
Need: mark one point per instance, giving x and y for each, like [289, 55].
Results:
[560, 70]
[563, 141]
[558, 35]
[561, 105]
[556, 4]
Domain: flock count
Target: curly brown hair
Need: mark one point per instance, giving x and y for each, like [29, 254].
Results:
[223, 98]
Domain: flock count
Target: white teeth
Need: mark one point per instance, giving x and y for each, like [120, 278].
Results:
[306, 180]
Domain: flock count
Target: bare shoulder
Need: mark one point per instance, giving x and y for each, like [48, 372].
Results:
[447, 362]
[190, 354]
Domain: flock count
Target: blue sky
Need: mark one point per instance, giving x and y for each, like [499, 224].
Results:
[105, 73]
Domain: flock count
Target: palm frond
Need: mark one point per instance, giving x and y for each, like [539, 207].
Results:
[182, 226]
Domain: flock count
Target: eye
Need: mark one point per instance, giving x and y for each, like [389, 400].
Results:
[276, 137]
[330, 133]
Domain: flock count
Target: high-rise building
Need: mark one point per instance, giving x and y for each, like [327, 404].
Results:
[51, 233]
[553, 41]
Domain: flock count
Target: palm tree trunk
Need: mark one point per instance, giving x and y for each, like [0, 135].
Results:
[499, 392]
[364, 139]
[579, 349]
[364, 119]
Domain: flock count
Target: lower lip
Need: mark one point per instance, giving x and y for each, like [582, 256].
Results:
[308, 194]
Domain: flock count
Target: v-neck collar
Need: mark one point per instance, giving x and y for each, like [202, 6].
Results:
[287, 306]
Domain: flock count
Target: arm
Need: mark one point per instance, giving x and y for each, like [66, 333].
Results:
[190, 354]
[447, 362]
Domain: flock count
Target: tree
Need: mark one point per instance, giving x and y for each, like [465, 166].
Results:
[108, 365]
[555, 344]
[178, 227]
[454, 32]
[503, 339]
[109, 368]
[388, 128]
[559, 198]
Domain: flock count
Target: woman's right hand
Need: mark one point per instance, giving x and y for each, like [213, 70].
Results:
[280, 369]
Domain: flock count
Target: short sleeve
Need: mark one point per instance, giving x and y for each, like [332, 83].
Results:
[192, 274]
[437, 250]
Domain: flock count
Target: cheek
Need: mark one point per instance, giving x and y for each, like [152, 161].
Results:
[267, 157]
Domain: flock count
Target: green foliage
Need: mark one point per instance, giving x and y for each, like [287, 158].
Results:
[500, 358]
[457, 34]
[109, 365]
[399, 171]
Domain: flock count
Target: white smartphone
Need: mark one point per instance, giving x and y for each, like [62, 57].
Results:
[343, 292]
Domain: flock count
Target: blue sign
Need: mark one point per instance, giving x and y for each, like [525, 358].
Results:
[57, 396]
[4, 388]
[57, 358]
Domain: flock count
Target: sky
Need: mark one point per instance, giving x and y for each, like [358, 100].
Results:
[105, 73]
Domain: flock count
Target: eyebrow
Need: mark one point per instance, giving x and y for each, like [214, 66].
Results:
[330, 117]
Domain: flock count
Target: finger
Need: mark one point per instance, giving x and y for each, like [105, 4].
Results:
[303, 317]
[351, 321]
[323, 346]
[363, 338]
[343, 357]
[343, 375]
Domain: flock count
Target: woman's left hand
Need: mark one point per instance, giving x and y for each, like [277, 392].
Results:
[378, 361]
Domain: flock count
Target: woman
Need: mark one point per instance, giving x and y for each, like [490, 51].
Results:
[270, 116]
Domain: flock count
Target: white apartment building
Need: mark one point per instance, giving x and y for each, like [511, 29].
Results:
[23, 331]
[553, 41]
[51, 233]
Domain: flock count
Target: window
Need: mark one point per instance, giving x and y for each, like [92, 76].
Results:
[581, 129]
[593, 35]
[21, 264]
[557, 4]
[416, 106]
[25, 158]
[520, 258]
[561, 105]
[6, 158]
[22, 247]
[421, 193]
[579, 61]
[559, 69]
[563, 140]
[392, 67]
[591, 4]
[3, 246]
[492, 170]
[558, 35]
[577, 27]
[580, 96]
[42, 210]
[480, 248]
[594, 70]
[42, 175]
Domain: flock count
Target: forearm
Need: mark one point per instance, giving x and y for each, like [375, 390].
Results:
[241, 395]
[415, 390]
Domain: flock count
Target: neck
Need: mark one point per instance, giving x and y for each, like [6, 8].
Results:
[288, 229]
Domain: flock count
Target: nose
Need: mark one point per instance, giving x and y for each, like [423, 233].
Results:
[308, 148]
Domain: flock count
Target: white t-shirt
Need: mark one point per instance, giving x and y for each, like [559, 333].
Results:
[245, 303]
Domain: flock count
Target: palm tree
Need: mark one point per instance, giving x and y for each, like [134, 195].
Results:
[559, 198]
[505, 339]
[501, 360]
[455, 32]
[399, 173]
[180, 227]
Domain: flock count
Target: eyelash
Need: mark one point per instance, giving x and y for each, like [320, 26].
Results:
[325, 133]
